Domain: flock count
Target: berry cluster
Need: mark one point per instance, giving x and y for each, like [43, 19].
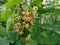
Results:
[25, 21]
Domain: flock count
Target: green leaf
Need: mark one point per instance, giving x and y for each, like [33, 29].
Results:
[48, 10]
[32, 42]
[12, 36]
[37, 3]
[5, 15]
[9, 23]
[11, 3]
[22, 40]
[44, 38]
[56, 37]
[4, 41]
[18, 43]
[2, 31]
[25, 7]
[51, 27]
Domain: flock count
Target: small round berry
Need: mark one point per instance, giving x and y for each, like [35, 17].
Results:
[35, 15]
[21, 33]
[32, 23]
[23, 13]
[24, 22]
[17, 26]
[24, 18]
[21, 28]
[15, 15]
[17, 30]
[28, 37]
[27, 25]
[17, 18]
[28, 19]
[35, 8]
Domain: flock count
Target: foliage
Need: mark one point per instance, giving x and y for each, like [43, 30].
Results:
[26, 22]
